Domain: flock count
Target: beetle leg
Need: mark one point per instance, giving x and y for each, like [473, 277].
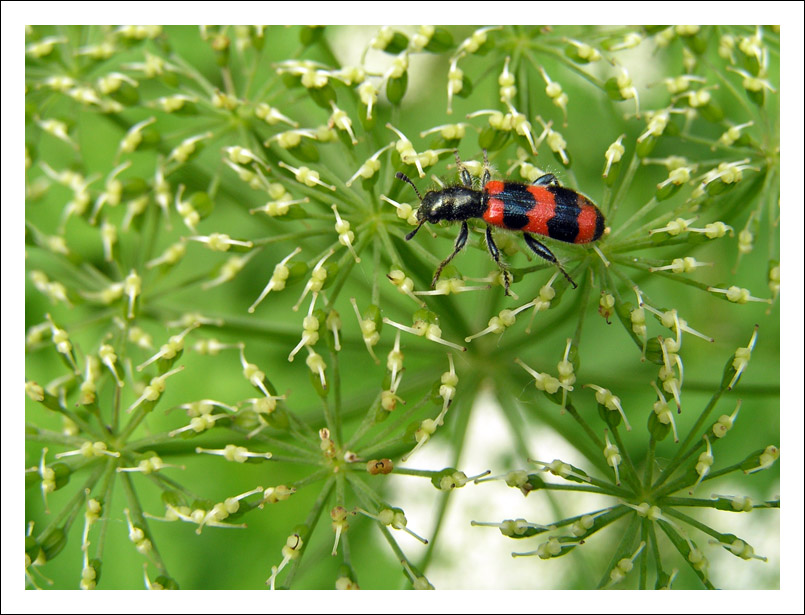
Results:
[495, 252]
[546, 180]
[487, 176]
[461, 241]
[410, 235]
[463, 173]
[543, 252]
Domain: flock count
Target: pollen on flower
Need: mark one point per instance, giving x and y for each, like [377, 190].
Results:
[345, 235]
[732, 134]
[554, 140]
[450, 286]
[137, 535]
[624, 566]
[61, 340]
[170, 350]
[606, 305]
[426, 429]
[306, 176]
[88, 387]
[740, 548]
[316, 365]
[738, 295]
[341, 120]
[681, 83]
[55, 291]
[404, 284]
[584, 51]
[291, 138]
[404, 210]
[613, 456]
[34, 391]
[542, 301]
[316, 282]
[552, 548]
[231, 452]
[200, 423]
[219, 242]
[455, 82]
[406, 150]
[681, 265]
[290, 551]
[369, 168]
[498, 324]
[557, 467]
[57, 129]
[149, 465]
[522, 127]
[567, 375]
[253, 374]
[280, 206]
[223, 100]
[113, 191]
[169, 104]
[45, 46]
[657, 122]
[427, 330]
[172, 255]
[418, 582]
[626, 87]
[765, 460]
[310, 333]
[674, 228]
[472, 43]
[189, 214]
[663, 412]
[280, 493]
[368, 330]
[182, 152]
[368, 95]
[272, 116]
[554, 91]
[725, 422]
[395, 518]
[506, 81]
[703, 464]
[609, 401]
[455, 479]
[613, 155]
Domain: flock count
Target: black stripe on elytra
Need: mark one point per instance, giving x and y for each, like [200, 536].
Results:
[517, 202]
[599, 225]
[564, 225]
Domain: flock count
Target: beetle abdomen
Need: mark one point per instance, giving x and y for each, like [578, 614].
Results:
[551, 211]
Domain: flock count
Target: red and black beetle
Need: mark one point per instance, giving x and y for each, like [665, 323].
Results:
[543, 208]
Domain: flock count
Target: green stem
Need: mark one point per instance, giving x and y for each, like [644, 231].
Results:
[631, 472]
[624, 186]
[624, 549]
[645, 526]
[679, 457]
[310, 523]
[137, 517]
[69, 511]
[648, 470]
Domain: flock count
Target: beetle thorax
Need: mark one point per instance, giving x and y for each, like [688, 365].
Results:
[454, 203]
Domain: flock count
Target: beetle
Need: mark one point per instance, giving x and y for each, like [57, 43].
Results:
[543, 207]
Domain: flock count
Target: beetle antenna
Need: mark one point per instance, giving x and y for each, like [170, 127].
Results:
[412, 233]
[404, 178]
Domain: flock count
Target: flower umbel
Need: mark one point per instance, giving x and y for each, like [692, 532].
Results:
[221, 291]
